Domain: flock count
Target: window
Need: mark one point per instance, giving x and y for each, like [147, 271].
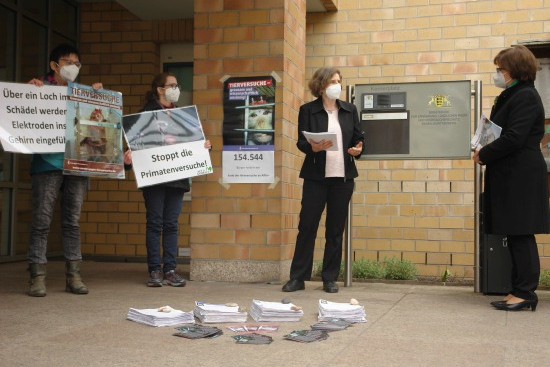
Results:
[7, 48]
[27, 34]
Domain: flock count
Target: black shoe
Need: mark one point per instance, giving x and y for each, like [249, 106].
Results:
[294, 285]
[498, 303]
[532, 304]
[330, 287]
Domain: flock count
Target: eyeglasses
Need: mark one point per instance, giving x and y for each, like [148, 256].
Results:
[500, 69]
[71, 62]
[173, 86]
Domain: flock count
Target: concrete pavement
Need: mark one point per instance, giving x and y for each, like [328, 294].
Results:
[408, 324]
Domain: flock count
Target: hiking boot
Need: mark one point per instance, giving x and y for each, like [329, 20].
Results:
[174, 279]
[37, 282]
[73, 283]
[155, 279]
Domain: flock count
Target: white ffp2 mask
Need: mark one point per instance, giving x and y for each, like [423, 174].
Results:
[69, 72]
[172, 94]
[499, 80]
[333, 91]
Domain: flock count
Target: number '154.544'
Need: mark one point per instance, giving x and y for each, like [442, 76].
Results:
[248, 157]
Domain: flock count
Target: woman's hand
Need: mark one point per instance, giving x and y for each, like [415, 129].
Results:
[356, 150]
[475, 157]
[321, 145]
[97, 86]
[207, 144]
[37, 82]
[128, 157]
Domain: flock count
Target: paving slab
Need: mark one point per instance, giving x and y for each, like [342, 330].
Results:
[407, 324]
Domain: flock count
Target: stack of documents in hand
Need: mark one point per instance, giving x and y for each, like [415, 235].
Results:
[275, 311]
[163, 316]
[213, 313]
[487, 132]
[344, 311]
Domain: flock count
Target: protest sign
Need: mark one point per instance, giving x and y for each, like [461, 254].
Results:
[94, 132]
[32, 119]
[248, 130]
[167, 145]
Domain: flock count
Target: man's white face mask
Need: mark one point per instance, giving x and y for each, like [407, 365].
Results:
[69, 72]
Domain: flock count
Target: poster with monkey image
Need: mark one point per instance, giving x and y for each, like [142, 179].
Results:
[94, 132]
[248, 129]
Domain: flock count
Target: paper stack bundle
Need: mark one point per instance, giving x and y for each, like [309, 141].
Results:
[197, 331]
[306, 336]
[344, 311]
[275, 311]
[163, 316]
[213, 313]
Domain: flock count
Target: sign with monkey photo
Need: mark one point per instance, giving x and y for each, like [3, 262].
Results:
[248, 129]
[93, 132]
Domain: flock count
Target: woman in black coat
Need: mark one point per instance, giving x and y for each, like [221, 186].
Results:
[328, 177]
[516, 189]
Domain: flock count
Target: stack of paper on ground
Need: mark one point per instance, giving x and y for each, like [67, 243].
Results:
[197, 331]
[163, 316]
[252, 338]
[275, 311]
[214, 313]
[331, 325]
[345, 311]
[250, 328]
[306, 336]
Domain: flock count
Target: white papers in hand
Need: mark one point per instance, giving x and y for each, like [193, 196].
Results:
[487, 131]
[326, 136]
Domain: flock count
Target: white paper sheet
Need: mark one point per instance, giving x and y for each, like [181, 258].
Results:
[326, 136]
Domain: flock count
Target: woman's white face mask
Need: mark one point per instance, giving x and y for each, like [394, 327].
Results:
[172, 94]
[333, 91]
[499, 80]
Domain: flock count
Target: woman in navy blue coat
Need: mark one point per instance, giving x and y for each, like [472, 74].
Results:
[516, 188]
[328, 177]
[163, 201]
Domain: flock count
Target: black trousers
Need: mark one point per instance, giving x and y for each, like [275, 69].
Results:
[525, 265]
[335, 193]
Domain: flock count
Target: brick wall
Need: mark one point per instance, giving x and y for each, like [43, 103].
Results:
[243, 231]
[292, 158]
[420, 210]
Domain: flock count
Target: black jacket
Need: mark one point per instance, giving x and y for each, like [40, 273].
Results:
[182, 184]
[313, 118]
[515, 200]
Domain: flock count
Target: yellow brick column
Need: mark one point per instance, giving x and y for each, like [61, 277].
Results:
[246, 232]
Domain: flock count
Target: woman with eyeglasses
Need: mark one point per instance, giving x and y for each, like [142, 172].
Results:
[47, 181]
[515, 201]
[163, 202]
